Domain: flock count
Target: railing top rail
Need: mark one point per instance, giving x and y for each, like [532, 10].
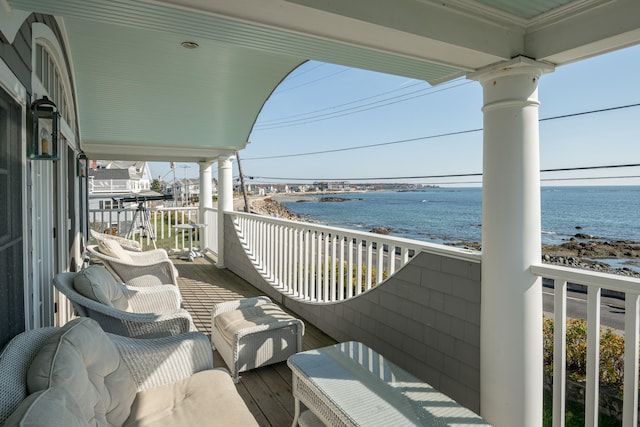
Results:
[151, 208]
[588, 278]
[416, 245]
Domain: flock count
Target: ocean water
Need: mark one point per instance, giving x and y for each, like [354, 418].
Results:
[444, 215]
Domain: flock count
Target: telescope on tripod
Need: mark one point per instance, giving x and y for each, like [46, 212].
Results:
[140, 221]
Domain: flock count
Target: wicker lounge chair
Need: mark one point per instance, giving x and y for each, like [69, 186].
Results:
[149, 268]
[78, 375]
[122, 310]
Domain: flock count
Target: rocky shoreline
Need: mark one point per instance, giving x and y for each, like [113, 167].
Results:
[582, 251]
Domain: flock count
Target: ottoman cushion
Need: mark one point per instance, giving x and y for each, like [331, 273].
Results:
[231, 322]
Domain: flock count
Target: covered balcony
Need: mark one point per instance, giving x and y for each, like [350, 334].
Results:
[185, 81]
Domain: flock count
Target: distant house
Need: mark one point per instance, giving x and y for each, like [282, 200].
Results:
[111, 181]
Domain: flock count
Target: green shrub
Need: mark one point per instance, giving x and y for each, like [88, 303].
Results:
[611, 353]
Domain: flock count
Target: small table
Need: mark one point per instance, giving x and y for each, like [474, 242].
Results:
[191, 227]
[349, 384]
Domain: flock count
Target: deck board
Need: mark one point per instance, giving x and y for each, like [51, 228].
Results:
[267, 390]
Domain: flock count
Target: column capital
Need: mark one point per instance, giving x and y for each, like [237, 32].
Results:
[226, 157]
[206, 163]
[517, 65]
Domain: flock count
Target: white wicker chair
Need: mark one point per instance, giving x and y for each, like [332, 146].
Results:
[151, 311]
[150, 268]
[154, 364]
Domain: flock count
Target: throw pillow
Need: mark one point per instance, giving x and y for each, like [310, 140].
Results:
[113, 249]
[82, 359]
[96, 283]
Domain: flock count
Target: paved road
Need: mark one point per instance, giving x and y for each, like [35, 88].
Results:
[611, 310]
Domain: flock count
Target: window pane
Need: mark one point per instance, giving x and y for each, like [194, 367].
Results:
[39, 61]
[44, 79]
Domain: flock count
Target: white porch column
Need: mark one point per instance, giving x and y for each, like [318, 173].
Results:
[225, 199]
[205, 196]
[511, 313]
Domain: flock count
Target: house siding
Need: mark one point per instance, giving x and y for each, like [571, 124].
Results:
[425, 318]
[16, 316]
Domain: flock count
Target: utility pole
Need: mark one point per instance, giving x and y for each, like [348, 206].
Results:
[173, 191]
[185, 191]
[244, 191]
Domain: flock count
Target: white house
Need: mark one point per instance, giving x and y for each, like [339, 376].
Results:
[184, 80]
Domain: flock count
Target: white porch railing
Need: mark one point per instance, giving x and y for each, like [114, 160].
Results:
[595, 283]
[325, 264]
[162, 221]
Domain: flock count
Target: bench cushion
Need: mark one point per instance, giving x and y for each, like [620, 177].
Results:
[231, 322]
[96, 283]
[82, 359]
[206, 398]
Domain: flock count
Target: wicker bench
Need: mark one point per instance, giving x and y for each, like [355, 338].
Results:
[254, 332]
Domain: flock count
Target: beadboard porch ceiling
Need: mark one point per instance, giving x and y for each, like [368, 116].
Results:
[142, 96]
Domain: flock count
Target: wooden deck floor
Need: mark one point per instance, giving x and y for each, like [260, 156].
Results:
[266, 391]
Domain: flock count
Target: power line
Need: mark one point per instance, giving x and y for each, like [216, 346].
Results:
[462, 175]
[544, 180]
[268, 122]
[360, 147]
[358, 109]
[313, 81]
[402, 141]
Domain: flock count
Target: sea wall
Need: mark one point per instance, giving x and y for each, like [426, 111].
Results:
[425, 318]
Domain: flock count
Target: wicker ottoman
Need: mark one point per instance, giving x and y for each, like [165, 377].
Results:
[254, 332]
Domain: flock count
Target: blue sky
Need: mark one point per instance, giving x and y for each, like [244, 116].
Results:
[321, 107]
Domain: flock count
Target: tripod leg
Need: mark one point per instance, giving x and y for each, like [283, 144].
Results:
[147, 225]
[129, 234]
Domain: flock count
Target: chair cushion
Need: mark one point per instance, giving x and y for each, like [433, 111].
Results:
[206, 398]
[230, 322]
[37, 409]
[83, 360]
[128, 244]
[96, 283]
[113, 249]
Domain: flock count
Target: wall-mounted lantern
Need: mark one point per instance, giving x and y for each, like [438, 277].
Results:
[82, 164]
[46, 125]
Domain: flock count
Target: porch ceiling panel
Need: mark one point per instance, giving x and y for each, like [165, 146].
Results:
[140, 89]
[140, 94]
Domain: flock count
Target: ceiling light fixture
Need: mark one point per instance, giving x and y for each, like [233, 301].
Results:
[189, 45]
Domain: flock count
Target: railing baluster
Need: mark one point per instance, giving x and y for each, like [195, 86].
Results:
[559, 351]
[359, 268]
[391, 253]
[295, 262]
[349, 273]
[369, 265]
[380, 255]
[319, 279]
[334, 259]
[631, 332]
[341, 283]
[313, 269]
[326, 258]
[593, 356]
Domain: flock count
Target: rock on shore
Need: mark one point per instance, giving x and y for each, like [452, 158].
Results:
[269, 207]
[584, 254]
